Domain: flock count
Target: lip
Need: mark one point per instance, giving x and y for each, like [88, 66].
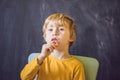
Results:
[54, 39]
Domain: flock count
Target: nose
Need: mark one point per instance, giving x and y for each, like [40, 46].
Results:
[55, 32]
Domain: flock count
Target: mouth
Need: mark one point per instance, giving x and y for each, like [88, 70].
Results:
[55, 42]
[53, 39]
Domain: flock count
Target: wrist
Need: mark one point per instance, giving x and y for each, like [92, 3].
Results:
[40, 59]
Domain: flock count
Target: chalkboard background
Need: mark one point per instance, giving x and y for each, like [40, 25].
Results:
[98, 32]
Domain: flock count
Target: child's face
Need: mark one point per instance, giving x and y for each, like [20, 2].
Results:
[59, 32]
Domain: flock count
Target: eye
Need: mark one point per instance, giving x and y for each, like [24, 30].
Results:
[50, 29]
[61, 29]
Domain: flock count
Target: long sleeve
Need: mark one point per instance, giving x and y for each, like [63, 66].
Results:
[79, 73]
[30, 70]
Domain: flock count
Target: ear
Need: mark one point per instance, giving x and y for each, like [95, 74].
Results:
[72, 37]
[71, 40]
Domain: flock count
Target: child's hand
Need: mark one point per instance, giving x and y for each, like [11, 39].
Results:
[46, 50]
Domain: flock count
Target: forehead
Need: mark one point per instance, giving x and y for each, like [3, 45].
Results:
[58, 23]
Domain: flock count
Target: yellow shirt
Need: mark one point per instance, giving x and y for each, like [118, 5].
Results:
[54, 69]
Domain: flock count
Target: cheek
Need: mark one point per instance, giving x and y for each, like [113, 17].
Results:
[48, 38]
[62, 34]
[65, 34]
[45, 37]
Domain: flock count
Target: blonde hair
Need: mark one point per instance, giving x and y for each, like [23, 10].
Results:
[62, 19]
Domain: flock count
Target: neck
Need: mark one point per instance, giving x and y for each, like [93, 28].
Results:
[60, 54]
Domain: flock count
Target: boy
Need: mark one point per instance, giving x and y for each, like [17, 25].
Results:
[54, 62]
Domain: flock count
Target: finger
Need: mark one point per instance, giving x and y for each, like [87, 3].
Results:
[51, 48]
[55, 43]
